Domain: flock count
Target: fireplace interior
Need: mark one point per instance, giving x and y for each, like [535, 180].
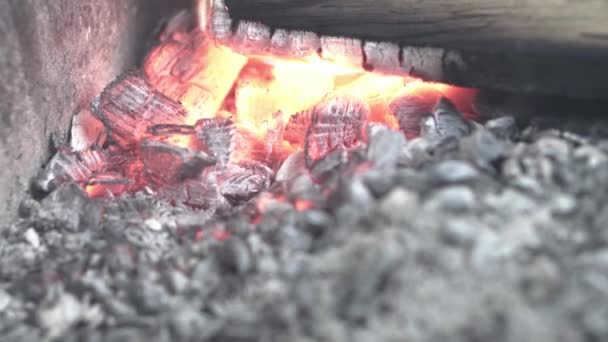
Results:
[274, 170]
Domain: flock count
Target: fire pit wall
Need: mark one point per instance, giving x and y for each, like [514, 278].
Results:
[56, 56]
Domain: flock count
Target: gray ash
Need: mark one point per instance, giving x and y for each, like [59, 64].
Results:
[496, 234]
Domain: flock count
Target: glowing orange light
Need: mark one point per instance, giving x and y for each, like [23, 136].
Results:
[302, 205]
[261, 93]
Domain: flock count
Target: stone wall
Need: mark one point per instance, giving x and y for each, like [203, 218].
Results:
[55, 56]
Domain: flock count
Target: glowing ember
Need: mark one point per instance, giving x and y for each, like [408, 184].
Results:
[209, 122]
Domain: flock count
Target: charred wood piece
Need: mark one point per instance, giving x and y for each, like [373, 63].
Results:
[241, 182]
[445, 121]
[68, 166]
[342, 50]
[486, 46]
[295, 130]
[413, 105]
[382, 57]
[251, 36]
[107, 183]
[167, 129]
[129, 105]
[279, 42]
[221, 23]
[194, 71]
[335, 123]
[268, 150]
[165, 163]
[302, 44]
[425, 63]
[201, 192]
[216, 137]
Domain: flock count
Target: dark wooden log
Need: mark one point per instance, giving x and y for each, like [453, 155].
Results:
[554, 46]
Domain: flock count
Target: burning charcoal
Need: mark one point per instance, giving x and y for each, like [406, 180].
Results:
[302, 44]
[483, 148]
[295, 131]
[412, 105]
[87, 131]
[205, 193]
[167, 129]
[178, 24]
[64, 208]
[149, 298]
[61, 311]
[455, 198]
[385, 146]
[314, 222]
[221, 23]
[189, 324]
[370, 263]
[129, 105]
[173, 193]
[251, 36]
[444, 122]
[215, 136]
[239, 183]
[104, 183]
[70, 166]
[234, 256]
[425, 63]
[325, 167]
[379, 182]
[202, 193]
[351, 192]
[503, 127]
[382, 57]
[279, 43]
[267, 150]
[165, 163]
[194, 71]
[454, 171]
[336, 123]
[291, 167]
[342, 50]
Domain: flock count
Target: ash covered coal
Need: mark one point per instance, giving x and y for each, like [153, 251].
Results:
[476, 237]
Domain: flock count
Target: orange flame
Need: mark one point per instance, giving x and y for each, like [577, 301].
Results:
[261, 92]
